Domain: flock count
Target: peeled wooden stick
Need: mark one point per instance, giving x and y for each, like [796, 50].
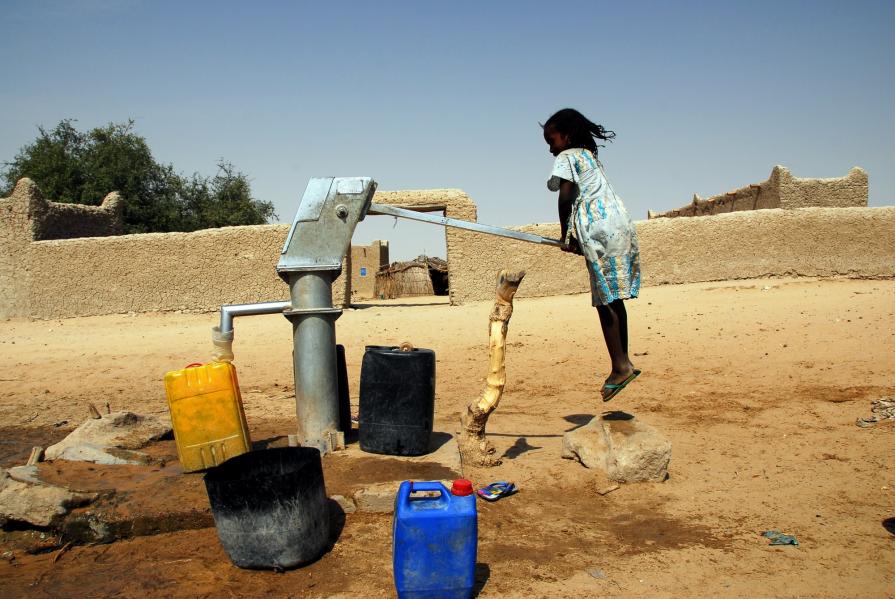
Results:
[474, 446]
[37, 454]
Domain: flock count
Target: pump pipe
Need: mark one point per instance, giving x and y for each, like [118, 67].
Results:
[229, 312]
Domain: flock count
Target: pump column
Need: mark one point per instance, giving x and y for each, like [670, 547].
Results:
[310, 261]
[314, 359]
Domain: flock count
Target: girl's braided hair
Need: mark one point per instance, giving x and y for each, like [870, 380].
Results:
[582, 132]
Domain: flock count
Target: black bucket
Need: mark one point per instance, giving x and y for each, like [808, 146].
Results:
[397, 400]
[270, 507]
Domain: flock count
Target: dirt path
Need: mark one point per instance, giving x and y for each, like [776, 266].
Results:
[757, 384]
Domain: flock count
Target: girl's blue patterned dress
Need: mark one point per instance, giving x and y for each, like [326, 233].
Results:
[602, 226]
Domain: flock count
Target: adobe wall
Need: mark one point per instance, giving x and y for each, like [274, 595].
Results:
[161, 271]
[86, 276]
[811, 242]
[205, 269]
[781, 190]
[366, 260]
[452, 203]
[26, 216]
[200, 271]
[16, 232]
[839, 192]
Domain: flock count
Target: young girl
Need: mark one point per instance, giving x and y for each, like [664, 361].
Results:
[596, 225]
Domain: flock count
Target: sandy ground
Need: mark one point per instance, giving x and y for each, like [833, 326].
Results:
[756, 383]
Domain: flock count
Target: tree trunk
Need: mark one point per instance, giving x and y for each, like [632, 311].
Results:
[474, 446]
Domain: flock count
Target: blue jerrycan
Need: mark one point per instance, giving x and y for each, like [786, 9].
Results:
[434, 540]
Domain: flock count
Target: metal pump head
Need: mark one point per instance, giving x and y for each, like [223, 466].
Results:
[321, 233]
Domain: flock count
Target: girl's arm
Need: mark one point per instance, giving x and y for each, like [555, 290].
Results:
[568, 191]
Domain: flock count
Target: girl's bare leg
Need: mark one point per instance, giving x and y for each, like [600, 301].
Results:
[618, 306]
[614, 322]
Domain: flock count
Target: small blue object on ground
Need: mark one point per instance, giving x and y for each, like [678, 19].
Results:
[495, 491]
[778, 538]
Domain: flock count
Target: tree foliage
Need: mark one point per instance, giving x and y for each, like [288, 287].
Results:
[81, 168]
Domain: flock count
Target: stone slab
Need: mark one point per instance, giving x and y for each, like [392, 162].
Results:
[40, 505]
[379, 498]
[25, 474]
[110, 439]
[624, 447]
[442, 463]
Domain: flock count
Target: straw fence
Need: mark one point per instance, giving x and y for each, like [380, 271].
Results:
[423, 276]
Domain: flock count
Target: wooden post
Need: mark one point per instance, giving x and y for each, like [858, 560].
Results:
[37, 455]
[474, 446]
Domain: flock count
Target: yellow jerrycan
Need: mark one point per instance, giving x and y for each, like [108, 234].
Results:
[206, 414]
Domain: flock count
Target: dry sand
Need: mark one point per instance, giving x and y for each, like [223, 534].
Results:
[757, 384]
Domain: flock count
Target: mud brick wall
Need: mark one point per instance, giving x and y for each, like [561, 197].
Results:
[452, 203]
[804, 242]
[366, 261]
[150, 272]
[92, 275]
[811, 242]
[781, 190]
[200, 271]
[840, 192]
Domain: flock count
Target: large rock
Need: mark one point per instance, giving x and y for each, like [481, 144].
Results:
[106, 440]
[38, 505]
[625, 448]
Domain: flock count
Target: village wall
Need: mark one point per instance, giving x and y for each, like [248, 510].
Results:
[781, 190]
[132, 273]
[366, 260]
[850, 191]
[452, 203]
[811, 242]
[16, 233]
[206, 269]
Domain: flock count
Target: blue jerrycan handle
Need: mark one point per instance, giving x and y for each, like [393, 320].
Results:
[408, 487]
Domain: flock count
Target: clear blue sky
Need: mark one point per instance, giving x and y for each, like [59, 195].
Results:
[705, 96]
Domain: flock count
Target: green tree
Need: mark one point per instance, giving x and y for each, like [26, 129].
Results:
[81, 168]
[221, 200]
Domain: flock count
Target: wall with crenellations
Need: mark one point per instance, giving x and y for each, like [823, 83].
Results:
[200, 271]
[781, 190]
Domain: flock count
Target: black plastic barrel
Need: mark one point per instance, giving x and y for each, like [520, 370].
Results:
[270, 507]
[397, 400]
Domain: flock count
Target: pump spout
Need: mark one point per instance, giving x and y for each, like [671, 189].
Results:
[229, 312]
[222, 335]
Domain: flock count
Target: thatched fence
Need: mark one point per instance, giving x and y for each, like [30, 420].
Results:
[423, 276]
